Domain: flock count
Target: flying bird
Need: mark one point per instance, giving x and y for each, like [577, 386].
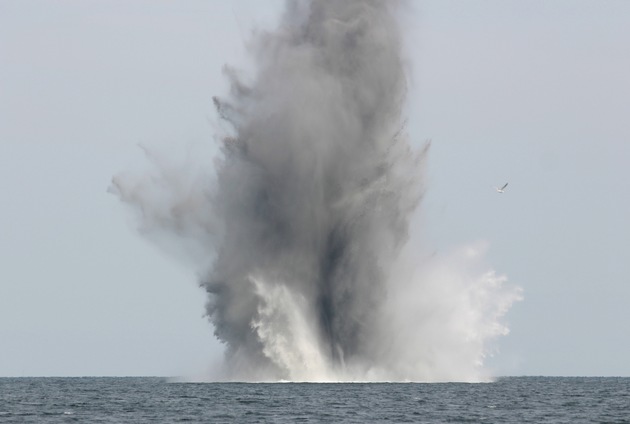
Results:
[502, 189]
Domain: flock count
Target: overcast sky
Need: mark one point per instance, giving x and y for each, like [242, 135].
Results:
[534, 93]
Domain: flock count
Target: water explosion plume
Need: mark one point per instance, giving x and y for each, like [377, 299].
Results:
[300, 234]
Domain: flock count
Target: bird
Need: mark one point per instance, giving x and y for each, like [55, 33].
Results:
[502, 189]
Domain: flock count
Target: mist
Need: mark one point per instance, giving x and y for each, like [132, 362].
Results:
[300, 229]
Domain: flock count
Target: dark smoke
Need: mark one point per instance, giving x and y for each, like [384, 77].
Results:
[316, 188]
[315, 185]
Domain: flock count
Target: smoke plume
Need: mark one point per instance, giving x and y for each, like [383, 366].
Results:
[301, 234]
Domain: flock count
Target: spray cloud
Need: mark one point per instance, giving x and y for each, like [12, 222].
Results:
[302, 233]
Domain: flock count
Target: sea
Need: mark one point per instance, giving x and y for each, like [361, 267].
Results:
[160, 400]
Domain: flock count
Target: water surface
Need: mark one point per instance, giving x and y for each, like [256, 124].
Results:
[150, 400]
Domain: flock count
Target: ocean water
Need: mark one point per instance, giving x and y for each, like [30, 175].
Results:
[152, 400]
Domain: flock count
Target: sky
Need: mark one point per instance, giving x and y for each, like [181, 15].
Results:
[532, 93]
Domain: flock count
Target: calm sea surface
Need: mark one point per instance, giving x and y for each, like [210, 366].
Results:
[151, 400]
